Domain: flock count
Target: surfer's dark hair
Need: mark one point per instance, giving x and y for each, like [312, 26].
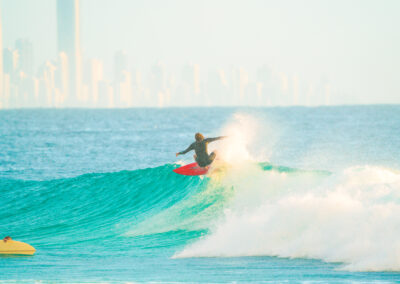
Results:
[199, 136]
[8, 238]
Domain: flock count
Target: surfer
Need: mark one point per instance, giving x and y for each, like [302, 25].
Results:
[8, 238]
[200, 147]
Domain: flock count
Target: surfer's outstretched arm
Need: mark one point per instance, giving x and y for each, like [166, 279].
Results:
[191, 147]
[214, 139]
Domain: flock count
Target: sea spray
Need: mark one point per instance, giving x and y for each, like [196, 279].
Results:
[350, 217]
[249, 138]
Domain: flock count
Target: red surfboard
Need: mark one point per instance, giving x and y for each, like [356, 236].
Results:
[192, 169]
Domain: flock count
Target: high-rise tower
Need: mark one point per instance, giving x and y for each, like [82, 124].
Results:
[68, 40]
[25, 51]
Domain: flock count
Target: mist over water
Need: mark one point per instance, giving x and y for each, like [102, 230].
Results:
[297, 194]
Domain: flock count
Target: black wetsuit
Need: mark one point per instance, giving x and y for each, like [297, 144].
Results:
[200, 147]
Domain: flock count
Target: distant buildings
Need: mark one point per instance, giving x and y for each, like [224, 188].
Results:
[70, 80]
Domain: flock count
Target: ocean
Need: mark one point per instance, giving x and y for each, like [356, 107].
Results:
[298, 195]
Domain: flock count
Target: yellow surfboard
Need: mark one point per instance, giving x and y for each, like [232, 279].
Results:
[16, 247]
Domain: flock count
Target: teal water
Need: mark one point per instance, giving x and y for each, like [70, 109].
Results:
[308, 194]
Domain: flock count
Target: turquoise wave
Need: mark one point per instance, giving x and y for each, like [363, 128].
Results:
[249, 209]
[144, 203]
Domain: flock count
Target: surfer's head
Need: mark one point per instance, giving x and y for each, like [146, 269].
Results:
[8, 238]
[199, 137]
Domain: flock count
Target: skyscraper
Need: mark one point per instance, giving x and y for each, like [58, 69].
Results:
[25, 51]
[68, 40]
[121, 78]
[10, 62]
[120, 65]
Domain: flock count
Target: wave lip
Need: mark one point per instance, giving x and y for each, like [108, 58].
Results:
[352, 217]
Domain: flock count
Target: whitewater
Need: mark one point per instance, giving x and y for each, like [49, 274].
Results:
[304, 194]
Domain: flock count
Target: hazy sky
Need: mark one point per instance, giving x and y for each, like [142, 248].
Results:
[355, 45]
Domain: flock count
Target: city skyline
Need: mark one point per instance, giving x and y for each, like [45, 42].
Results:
[78, 79]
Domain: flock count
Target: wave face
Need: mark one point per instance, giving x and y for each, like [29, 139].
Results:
[255, 209]
[88, 207]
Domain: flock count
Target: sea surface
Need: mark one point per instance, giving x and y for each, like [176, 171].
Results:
[297, 195]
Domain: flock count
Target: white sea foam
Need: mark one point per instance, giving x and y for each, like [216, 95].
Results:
[352, 217]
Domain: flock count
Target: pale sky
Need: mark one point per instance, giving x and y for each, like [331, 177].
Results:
[354, 44]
